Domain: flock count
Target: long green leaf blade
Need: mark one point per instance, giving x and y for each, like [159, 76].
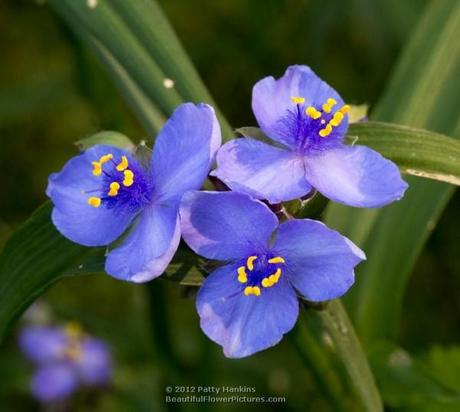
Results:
[423, 93]
[416, 152]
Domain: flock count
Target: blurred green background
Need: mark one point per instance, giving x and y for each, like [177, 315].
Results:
[53, 92]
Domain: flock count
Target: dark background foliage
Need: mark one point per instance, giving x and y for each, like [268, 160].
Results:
[53, 92]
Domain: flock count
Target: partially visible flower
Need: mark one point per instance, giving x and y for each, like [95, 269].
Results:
[307, 121]
[101, 192]
[247, 304]
[65, 359]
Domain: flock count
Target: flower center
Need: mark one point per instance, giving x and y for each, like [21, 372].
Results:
[123, 184]
[74, 334]
[260, 272]
[310, 125]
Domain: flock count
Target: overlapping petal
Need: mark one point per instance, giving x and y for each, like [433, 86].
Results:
[54, 382]
[149, 247]
[70, 189]
[319, 261]
[263, 171]
[225, 225]
[184, 150]
[271, 101]
[241, 324]
[95, 364]
[355, 176]
[43, 344]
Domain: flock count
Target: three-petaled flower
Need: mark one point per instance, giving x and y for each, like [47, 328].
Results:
[66, 358]
[99, 193]
[307, 121]
[247, 304]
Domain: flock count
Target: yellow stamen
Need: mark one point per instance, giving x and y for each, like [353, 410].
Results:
[277, 259]
[129, 178]
[106, 158]
[337, 119]
[97, 168]
[326, 131]
[266, 283]
[272, 279]
[94, 201]
[327, 107]
[252, 290]
[123, 165]
[250, 262]
[297, 100]
[312, 112]
[344, 109]
[114, 188]
[242, 275]
[276, 276]
[73, 329]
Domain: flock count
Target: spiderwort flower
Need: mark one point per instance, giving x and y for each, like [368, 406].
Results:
[99, 193]
[65, 358]
[307, 121]
[247, 304]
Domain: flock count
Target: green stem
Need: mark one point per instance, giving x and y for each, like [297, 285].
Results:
[318, 364]
[336, 322]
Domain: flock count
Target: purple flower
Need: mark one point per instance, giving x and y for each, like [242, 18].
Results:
[65, 359]
[307, 121]
[251, 301]
[101, 192]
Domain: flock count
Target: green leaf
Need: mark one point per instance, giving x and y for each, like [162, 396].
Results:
[109, 138]
[137, 45]
[417, 152]
[34, 258]
[417, 384]
[422, 93]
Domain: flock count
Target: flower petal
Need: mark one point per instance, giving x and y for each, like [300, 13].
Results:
[225, 225]
[184, 150]
[319, 261]
[95, 364]
[54, 382]
[42, 344]
[241, 324]
[355, 176]
[70, 189]
[149, 247]
[271, 101]
[263, 171]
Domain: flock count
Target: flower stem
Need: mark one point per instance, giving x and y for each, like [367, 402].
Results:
[335, 321]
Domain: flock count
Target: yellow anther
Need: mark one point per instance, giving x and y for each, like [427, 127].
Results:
[276, 275]
[242, 275]
[327, 107]
[266, 283]
[297, 100]
[73, 329]
[129, 178]
[326, 131]
[312, 112]
[123, 165]
[114, 188]
[277, 259]
[252, 290]
[272, 279]
[250, 262]
[337, 119]
[106, 158]
[94, 201]
[97, 168]
[344, 109]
